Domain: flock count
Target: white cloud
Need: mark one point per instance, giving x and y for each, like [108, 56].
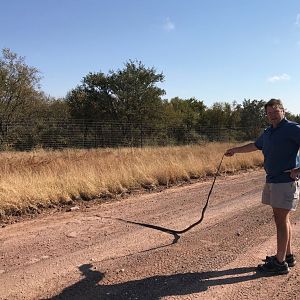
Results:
[168, 25]
[297, 23]
[279, 78]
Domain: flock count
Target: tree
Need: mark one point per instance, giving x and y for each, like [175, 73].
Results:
[19, 89]
[219, 115]
[253, 113]
[235, 117]
[184, 112]
[127, 95]
[292, 117]
[181, 117]
[253, 117]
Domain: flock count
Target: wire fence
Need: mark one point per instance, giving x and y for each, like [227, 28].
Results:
[59, 134]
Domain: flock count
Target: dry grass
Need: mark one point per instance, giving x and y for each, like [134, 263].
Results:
[41, 178]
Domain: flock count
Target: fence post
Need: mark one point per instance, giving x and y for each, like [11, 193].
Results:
[141, 135]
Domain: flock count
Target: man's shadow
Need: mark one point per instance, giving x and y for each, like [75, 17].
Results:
[152, 288]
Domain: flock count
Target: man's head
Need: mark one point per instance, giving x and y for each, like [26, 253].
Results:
[274, 103]
[274, 111]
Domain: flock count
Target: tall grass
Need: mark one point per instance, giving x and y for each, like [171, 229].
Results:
[41, 178]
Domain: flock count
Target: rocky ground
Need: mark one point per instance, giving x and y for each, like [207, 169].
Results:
[93, 253]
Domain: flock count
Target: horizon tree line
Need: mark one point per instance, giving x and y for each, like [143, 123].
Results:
[129, 97]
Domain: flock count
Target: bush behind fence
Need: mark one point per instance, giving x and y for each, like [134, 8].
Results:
[58, 134]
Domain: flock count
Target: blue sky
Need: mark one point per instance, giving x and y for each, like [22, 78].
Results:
[213, 50]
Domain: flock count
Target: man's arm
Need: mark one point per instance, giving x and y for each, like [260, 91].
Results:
[294, 173]
[242, 149]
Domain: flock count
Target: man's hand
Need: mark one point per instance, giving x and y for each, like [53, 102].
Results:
[230, 152]
[243, 149]
[295, 173]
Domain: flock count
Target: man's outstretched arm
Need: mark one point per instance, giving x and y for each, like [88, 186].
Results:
[242, 149]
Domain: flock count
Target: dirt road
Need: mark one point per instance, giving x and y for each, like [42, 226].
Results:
[91, 254]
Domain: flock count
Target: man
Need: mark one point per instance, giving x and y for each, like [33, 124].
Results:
[280, 145]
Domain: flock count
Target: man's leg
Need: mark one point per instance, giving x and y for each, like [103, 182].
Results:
[283, 228]
[289, 245]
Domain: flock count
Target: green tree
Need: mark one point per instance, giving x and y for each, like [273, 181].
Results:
[219, 115]
[19, 89]
[253, 117]
[235, 115]
[181, 117]
[253, 113]
[292, 117]
[183, 112]
[127, 95]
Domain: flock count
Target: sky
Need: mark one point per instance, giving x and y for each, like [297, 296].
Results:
[213, 50]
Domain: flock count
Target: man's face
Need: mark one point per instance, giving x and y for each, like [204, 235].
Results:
[274, 114]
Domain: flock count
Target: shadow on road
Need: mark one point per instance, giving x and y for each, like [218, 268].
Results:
[152, 288]
[175, 233]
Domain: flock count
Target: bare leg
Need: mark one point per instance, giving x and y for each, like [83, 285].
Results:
[289, 245]
[283, 229]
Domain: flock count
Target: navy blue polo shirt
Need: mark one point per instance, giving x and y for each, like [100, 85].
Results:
[280, 148]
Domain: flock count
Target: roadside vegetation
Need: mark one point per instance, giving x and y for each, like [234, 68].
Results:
[123, 108]
[137, 139]
[33, 180]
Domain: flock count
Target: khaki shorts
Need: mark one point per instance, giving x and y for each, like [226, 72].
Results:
[281, 195]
